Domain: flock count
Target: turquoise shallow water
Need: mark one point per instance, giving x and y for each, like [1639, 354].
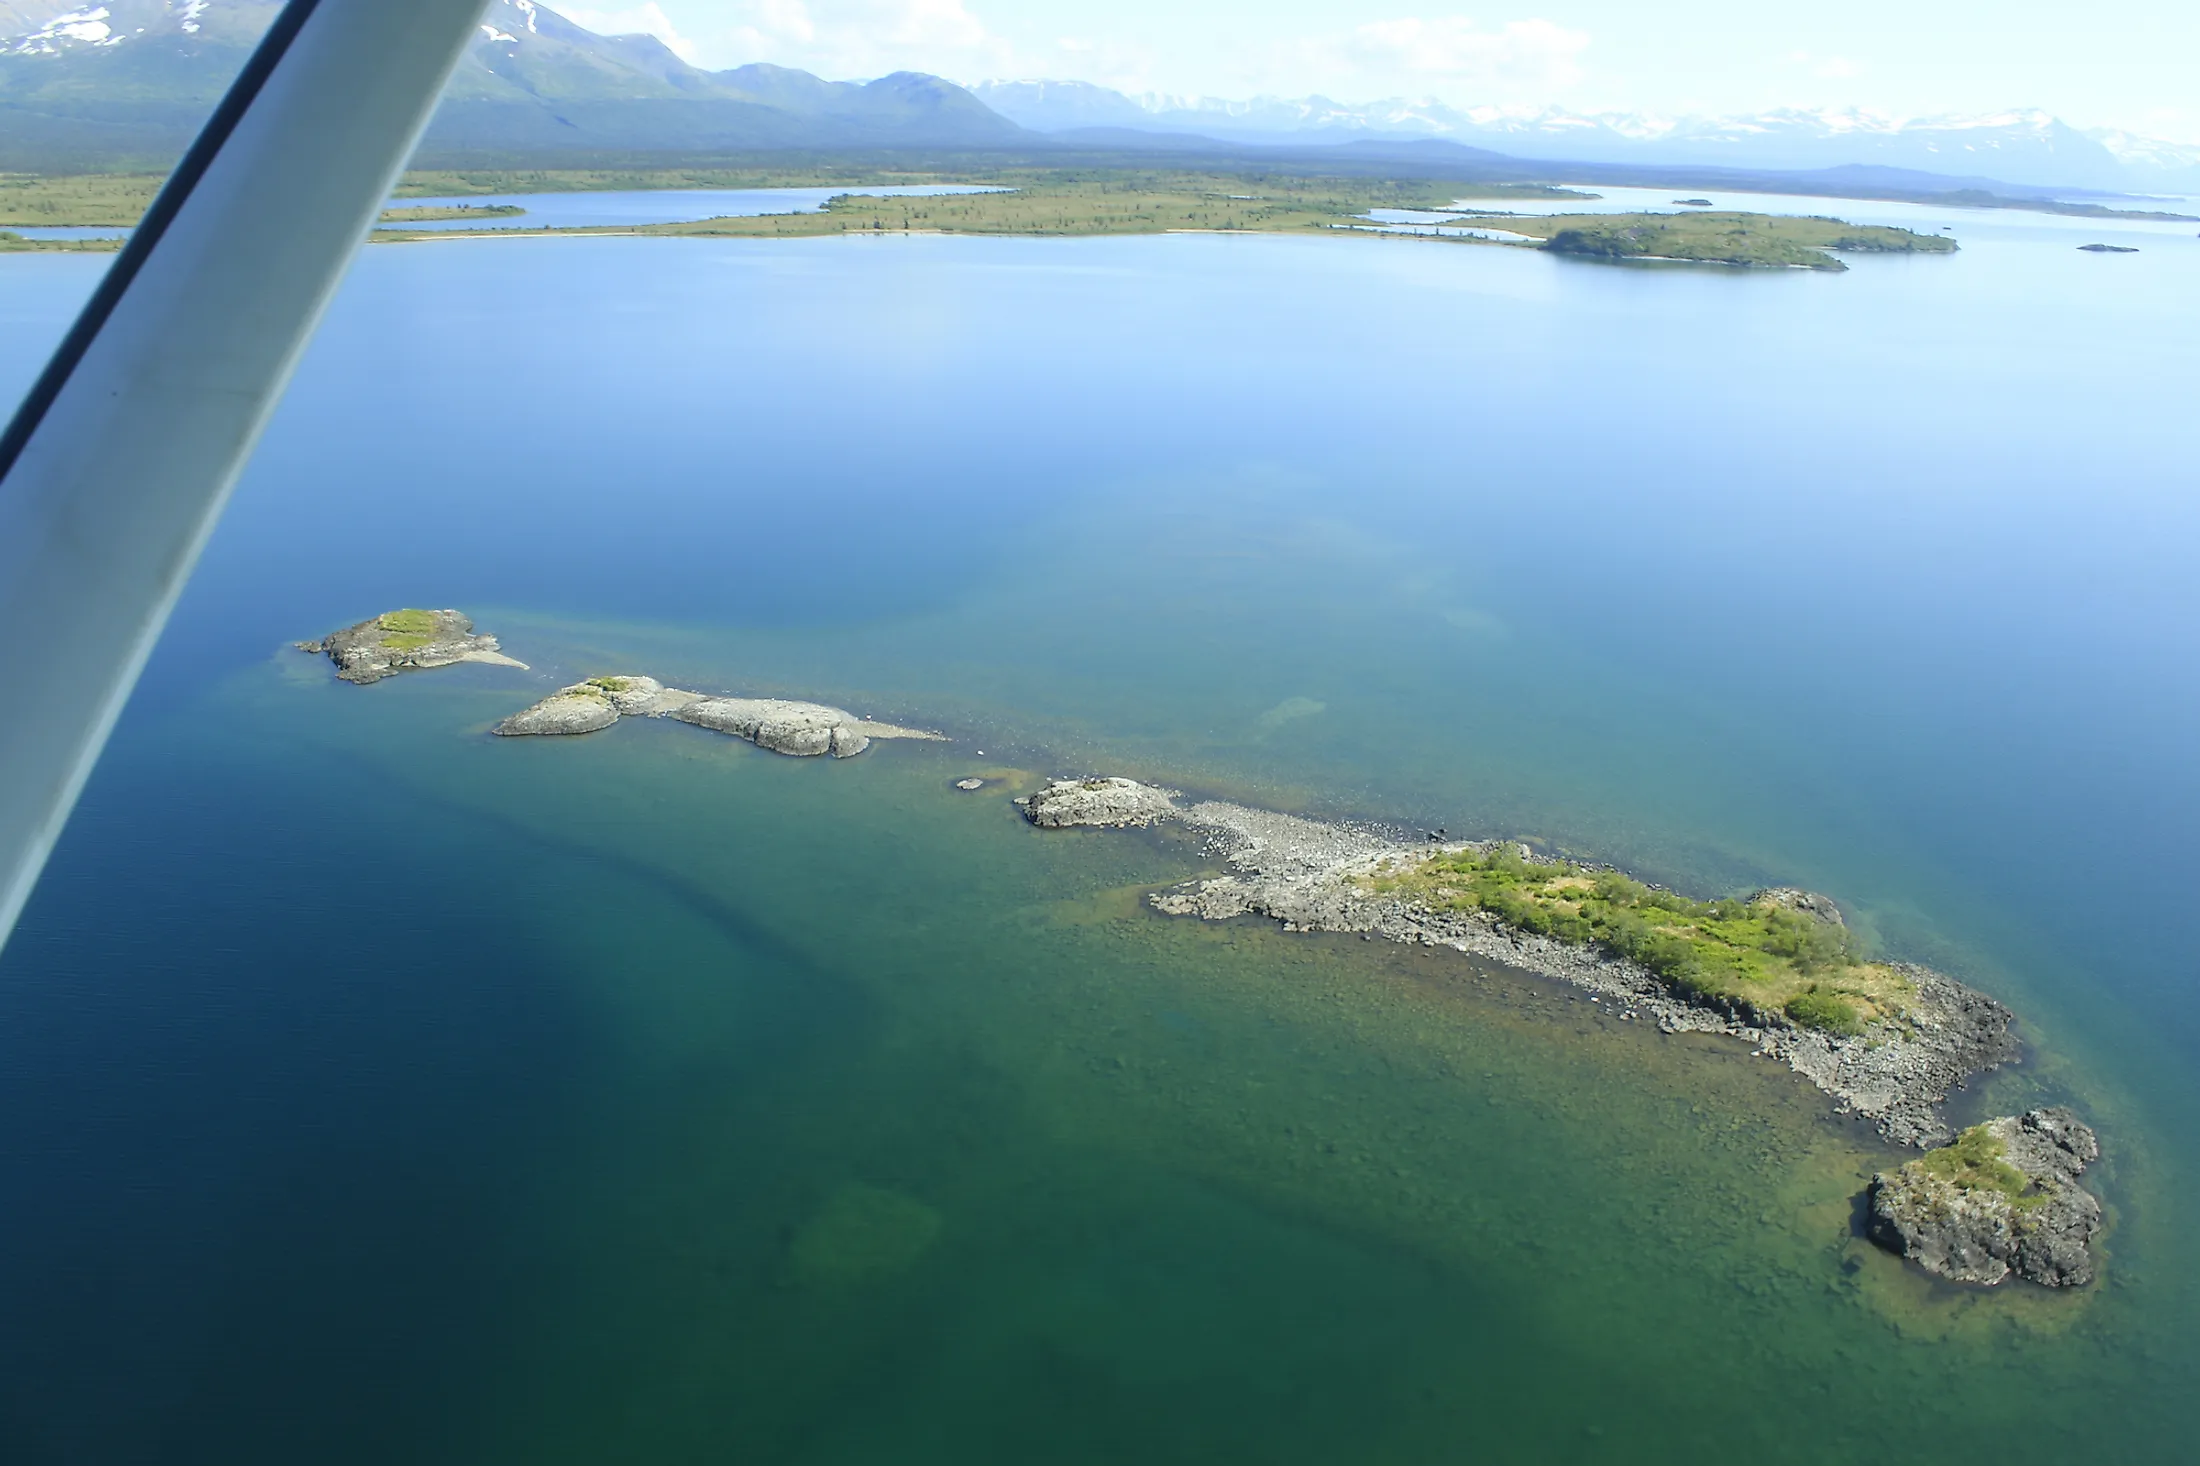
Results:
[382, 1089]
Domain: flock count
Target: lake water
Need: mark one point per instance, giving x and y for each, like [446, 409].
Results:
[378, 1090]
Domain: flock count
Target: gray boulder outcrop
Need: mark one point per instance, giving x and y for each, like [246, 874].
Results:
[572, 710]
[799, 728]
[406, 641]
[803, 729]
[2003, 1200]
[588, 706]
[1107, 803]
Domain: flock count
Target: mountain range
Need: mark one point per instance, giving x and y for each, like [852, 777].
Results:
[110, 84]
[2024, 147]
[86, 84]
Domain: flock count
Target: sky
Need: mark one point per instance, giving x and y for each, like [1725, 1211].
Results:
[2134, 64]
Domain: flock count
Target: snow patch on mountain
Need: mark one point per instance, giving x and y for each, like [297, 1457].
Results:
[83, 27]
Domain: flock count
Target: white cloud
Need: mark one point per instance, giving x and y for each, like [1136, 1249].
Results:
[859, 38]
[1832, 68]
[649, 20]
[1454, 48]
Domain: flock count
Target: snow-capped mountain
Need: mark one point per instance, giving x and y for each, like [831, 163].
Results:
[65, 27]
[2174, 165]
[97, 84]
[2025, 147]
[134, 77]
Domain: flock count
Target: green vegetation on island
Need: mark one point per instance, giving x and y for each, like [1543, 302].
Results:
[1107, 201]
[1978, 1161]
[1050, 201]
[407, 630]
[1757, 954]
[1757, 241]
[13, 243]
[854, 176]
[436, 213]
[86, 200]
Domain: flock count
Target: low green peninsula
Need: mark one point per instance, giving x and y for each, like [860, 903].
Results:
[1111, 201]
[1040, 201]
[441, 213]
[14, 243]
[1751, 241]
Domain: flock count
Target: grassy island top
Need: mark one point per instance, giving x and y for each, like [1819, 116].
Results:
[1757, 954]
[408, 630]
[1760, 241]
[1977, 1162]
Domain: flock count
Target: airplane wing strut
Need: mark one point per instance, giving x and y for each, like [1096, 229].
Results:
[117, 465]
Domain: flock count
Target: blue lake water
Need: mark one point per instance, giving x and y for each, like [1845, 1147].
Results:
[380, 1090]
[659, 206]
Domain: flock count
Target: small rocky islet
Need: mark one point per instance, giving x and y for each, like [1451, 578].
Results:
[1888, 1041]
[406, 641]
[2002, 1201]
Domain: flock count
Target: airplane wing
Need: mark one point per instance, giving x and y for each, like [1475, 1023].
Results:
[116, 466]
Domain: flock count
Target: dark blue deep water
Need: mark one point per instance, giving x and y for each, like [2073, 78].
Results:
[375, 1090]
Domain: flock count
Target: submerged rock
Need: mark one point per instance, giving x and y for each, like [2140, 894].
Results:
[406, 641]
[1805, 903]
[1108, 803]
[863, 1234]
[2003, 1199]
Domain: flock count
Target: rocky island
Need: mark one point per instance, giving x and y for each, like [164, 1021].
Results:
[1103, 803]
[1777, 969]
[406, 641]
[2002, 1201]
[802, 729]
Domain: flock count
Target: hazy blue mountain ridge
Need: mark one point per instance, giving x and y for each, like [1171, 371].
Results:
[2026, 147]
[135, 81]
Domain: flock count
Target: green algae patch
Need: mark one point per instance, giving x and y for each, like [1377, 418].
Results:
[407, 630]
[1756, 954]
[862, 1234]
